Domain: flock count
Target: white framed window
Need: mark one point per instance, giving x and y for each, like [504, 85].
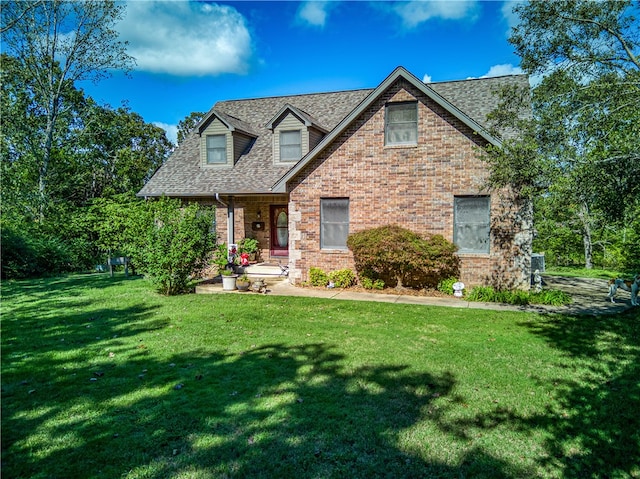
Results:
[401, 124]
[216, 149]
[334, 223]
[471, 218]
[290, 145]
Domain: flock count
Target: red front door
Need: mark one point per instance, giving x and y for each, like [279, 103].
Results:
[279, 219]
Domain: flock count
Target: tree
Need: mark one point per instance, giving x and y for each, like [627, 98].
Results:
[580, 147]
[57, 43]
[169, 241]
[186, 125]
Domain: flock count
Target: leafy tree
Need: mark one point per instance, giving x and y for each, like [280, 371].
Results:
[186, 125]
[579, 150]
[169, 241]
[57, 43]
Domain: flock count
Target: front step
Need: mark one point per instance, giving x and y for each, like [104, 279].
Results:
[214, 285]
[264, 269]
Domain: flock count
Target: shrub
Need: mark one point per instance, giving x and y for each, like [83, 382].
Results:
[446, 285]
[368, 283]
[396, 254]
[342, 278]
[221, 257]
[29, 253]
[317, 277]
[167, 240]
[490, 295]
[248, 245]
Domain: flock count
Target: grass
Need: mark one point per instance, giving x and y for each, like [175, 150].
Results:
[103, 378]
[594, 273]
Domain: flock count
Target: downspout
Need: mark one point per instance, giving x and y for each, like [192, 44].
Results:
[230, 218]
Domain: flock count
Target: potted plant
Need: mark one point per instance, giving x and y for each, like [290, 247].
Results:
[228, 279]
[249, 246]
[242, 283]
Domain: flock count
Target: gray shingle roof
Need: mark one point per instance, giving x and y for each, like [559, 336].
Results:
[255, 172]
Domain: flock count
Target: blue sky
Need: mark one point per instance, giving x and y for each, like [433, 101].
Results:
[191, 54]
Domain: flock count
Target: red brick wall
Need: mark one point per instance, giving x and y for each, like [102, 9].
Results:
[246, 210]
[410, 186]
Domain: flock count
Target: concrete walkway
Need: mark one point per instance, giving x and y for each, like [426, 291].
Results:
[595, 304]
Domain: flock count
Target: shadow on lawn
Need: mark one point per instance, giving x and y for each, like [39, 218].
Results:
[593, 424]
[275, 411]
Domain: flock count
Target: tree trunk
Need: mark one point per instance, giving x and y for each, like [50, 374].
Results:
[584, 216]
[44, 165]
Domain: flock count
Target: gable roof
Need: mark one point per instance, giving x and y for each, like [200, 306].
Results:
[255, 171]
[304, 117]
[398, 73]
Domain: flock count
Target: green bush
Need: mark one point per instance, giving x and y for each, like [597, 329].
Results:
[368, 283]
[317, 277]
[342, 278]
[169, 241]
[446, 285]
[30, 253]
[401, 257]
[488, 294]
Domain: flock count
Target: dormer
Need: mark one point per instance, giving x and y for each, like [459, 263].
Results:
[295, 133]
[223, 139]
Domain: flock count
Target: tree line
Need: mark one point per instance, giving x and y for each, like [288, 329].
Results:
[68, 164]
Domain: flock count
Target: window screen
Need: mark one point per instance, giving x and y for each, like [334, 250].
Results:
[334, 223]
[471, 230]
[401, 124]
[290, 146]
[216, 149]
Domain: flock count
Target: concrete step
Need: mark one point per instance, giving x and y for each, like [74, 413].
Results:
[214, 285]
[264, 269]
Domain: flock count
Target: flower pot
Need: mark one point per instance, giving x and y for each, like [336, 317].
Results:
[229, 282]
[242, 285]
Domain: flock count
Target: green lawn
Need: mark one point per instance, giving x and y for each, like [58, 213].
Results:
[103, 378]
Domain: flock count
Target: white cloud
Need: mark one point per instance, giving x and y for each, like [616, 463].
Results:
[501, 70]
[416, 12]
[426, 78]
[171, 130]
[314, 13]
[186, 38]
[509, 15]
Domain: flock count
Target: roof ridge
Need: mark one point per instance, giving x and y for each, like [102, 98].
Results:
[296, 95]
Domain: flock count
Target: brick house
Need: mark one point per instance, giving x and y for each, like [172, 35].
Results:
[299, 173]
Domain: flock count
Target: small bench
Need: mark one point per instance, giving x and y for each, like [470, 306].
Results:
[118, 261]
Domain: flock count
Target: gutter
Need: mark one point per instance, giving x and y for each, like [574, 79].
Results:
[230, 218]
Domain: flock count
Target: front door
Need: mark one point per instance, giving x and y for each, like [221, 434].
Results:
[279, 219]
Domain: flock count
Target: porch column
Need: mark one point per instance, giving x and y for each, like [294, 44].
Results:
[230, 222]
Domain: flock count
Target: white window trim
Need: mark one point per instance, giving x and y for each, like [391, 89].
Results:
[299, 144]
[482, 221]
[387, 141]
[323, 223]
[226, 153]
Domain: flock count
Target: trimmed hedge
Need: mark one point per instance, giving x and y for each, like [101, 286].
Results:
[400, 257]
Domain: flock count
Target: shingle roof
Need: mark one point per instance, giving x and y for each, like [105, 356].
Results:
[255, 172]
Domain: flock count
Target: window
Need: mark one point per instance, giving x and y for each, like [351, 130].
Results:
[290, 145]
[471, 224]
[401, 124]
[216, 149]
[334, 223]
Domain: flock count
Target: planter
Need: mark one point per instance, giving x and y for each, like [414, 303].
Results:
[259, 286]
[242, 285]
[229, 282]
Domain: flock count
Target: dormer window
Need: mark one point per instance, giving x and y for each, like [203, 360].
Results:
[290, 145]
[216, 149]
[401, 124]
